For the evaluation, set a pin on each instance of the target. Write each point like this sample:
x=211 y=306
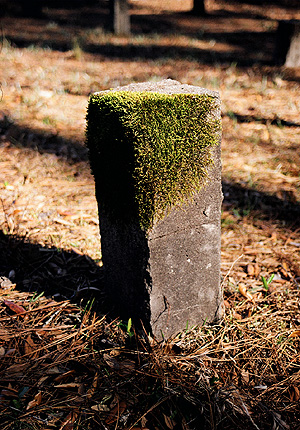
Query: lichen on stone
x=149 y=151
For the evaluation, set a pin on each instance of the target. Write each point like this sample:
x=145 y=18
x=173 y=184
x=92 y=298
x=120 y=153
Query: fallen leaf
x=17 y=309
x=36 y=401
x=256 y=269
x=29 y=345
x=237 y=315
x=64 y=376
x=244 y=292
x=93 y=387
x=115 y=352
x=100 y=408
x=41 y=380
x=17 y=369
x=250 y=269
x=274 y=237
x=111 y=362
x=284 y=270
x=294 y=393
x=69 y=385
x=169 y=422
x=295 y=333
x=234 y=377
x=285 y=265
x=253 y=269
x=65 y=213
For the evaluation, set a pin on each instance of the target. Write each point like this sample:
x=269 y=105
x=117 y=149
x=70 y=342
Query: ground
x=50 y=240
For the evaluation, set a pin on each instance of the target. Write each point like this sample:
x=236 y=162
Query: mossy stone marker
x=155 y=155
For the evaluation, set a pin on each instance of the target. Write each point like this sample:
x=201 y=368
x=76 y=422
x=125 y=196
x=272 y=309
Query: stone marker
x=288 y=44
x=155 y=154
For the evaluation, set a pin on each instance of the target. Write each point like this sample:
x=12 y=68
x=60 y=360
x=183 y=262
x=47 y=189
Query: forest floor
x=62 y=366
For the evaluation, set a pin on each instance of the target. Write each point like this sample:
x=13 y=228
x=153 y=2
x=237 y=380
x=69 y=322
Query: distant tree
x=119 y=15
x=198 y=8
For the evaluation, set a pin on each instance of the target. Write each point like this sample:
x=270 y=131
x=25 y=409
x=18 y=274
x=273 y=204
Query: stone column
x=185 y=261
x=162 y=268
x=119 y=12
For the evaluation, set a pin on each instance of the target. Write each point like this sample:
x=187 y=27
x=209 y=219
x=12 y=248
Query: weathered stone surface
x=288 y=44
x=185 y=261
x=165 y=86
x=169 y=276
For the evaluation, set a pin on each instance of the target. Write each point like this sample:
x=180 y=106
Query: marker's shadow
x=58 y=274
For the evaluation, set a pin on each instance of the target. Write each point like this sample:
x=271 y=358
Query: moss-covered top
x=149 y=151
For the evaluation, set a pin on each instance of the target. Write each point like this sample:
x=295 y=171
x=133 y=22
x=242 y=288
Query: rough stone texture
x=166 y=86
x=172 y=275
x=288 y=44
x=185 y=261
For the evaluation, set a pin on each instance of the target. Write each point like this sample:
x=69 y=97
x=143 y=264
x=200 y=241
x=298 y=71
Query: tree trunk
x=198 y=8
x=287 y=51
x=120 y=19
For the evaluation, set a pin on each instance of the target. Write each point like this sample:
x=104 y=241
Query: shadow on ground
x=43 y=142
x=260 y=205
x=56 y=273
x=59 y=28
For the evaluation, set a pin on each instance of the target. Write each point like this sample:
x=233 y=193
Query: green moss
x=149 y=151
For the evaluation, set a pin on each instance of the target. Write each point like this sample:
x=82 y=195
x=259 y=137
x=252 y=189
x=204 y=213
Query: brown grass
x=62 y=366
